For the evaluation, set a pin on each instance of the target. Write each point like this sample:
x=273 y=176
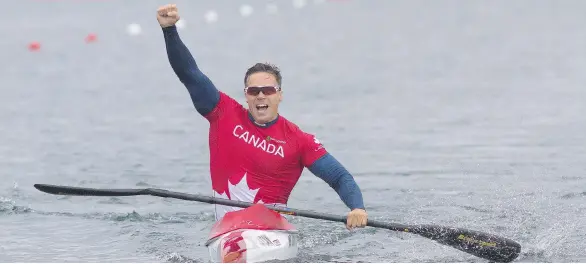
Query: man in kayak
x=256 y=154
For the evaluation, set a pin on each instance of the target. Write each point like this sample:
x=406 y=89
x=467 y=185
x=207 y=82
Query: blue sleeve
x=204 y=94
x=334 y=174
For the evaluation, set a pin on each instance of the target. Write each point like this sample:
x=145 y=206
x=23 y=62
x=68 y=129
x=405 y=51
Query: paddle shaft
x=66 y=190
x=282 y=210
x=477 y=243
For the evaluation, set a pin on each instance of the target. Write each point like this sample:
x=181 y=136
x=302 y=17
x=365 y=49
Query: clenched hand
x=356 y=218
x=167 y=15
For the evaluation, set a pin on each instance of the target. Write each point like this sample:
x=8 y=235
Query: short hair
x=264 y=67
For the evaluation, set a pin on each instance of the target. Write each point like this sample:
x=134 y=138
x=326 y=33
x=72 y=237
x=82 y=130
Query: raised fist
x=167 y=15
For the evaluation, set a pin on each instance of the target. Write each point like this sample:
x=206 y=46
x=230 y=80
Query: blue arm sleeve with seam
x=204 y=94
x=334 y=174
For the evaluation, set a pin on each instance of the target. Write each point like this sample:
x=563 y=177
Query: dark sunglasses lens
x=269 y=90
x=252 y=91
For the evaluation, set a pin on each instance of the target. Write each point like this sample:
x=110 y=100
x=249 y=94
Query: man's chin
x=262 y=118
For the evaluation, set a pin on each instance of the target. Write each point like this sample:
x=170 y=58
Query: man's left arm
x=322 y=164
x=336 y=176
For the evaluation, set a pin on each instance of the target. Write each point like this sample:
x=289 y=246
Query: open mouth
x=262 y=107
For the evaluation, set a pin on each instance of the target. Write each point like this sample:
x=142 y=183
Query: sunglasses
x=266 y=90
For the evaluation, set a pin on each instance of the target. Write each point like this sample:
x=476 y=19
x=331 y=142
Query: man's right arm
x=204 y=94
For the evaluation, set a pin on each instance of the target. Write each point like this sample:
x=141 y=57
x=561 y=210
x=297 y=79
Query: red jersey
x=252 y=163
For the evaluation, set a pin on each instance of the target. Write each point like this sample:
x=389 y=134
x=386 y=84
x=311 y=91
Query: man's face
x=263 y=96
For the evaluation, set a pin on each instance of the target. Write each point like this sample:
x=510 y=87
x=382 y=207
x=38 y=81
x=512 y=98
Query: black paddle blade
x=79 y=191
x=483 y=245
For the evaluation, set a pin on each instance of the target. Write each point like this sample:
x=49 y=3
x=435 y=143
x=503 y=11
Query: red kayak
x=253 y=234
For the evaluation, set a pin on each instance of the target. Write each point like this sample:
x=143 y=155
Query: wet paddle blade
x=80 y=191
x=480 y=244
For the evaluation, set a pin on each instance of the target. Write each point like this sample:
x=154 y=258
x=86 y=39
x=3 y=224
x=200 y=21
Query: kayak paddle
x=480 y=244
